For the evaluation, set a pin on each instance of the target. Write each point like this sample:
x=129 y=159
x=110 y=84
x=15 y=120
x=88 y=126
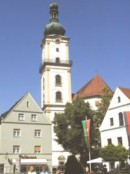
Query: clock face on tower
x=57 y=41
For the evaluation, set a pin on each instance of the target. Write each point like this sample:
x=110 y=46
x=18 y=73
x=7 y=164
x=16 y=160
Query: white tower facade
x=55 y=75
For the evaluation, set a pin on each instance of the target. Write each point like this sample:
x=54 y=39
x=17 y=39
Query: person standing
x=32 y=170
x=58 y=171
x=73 y=166
x=44 y=170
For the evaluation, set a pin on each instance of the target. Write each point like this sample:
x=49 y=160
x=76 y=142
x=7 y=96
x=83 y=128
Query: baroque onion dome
x=54 y=27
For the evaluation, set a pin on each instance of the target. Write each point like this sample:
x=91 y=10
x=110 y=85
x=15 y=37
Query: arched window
x=58 y=80
x=58 y=96
x=121 y=121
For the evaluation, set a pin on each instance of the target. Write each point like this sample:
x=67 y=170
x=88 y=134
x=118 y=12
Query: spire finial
x=54 y=12
x=54 y=27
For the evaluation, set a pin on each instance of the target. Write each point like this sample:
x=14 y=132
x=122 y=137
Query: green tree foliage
x=68 y=127
x=102 y=108
x=113 y=153
x=99 y=115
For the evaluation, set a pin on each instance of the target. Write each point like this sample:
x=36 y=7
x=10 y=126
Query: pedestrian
x=32 y=170
x=44 y=170
x=73 y=166
x=58 y=171
x=104 y=169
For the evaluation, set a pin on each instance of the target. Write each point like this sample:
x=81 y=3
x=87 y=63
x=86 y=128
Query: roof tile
x=93 y=88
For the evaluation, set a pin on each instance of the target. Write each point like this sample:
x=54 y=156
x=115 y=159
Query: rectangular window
x=37 y=149
x=21 y=117
x=37 y=133
x=111 y=122
x=109 y=141
x=121 y=121
x=16 y=133
x=16 y=149
x=119 y=139
x=34 y=117
x=57 y=49
x=97 y=103
x=119 y=99
x=57 y=60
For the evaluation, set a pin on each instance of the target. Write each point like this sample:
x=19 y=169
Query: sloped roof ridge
x=93 y=92
x=84 y=87
x=15 y=104
x=126 y=91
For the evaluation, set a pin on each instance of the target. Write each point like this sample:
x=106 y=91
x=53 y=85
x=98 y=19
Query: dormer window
x=119 y=99
x=28 y=104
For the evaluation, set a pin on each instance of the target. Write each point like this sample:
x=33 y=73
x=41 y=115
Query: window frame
x=119 y=99
x=37 y=133
x=109 y=141
x=121 y=119
x=120 y=141
x=37 y=147
x=57 y=60
x=16 y=149
x=21 y=117
x=16 y=133
x=57 y=49
x=34 y=118
x=111 y=121
x=58 y=80
x=58 y=97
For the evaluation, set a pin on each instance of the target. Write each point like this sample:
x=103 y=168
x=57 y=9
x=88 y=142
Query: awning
x=97 y=160
x=30 y=161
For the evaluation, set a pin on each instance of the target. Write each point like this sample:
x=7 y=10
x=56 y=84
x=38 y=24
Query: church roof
x=126 y=91
x=93 y=88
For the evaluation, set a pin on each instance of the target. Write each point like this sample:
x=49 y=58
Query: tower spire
x=54 y=27
x=54 y=12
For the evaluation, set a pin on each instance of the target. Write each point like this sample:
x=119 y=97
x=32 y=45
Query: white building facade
x=113 y=129
x=55 y=74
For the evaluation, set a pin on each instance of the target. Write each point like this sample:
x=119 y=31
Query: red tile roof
x=126 y=91
x=93 y=88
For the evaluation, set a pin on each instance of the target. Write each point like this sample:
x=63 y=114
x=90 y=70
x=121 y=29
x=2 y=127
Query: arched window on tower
x=58 y=96
x=58 y=80
x=121 y=121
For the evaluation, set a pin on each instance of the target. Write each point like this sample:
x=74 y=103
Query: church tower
x=55 y=72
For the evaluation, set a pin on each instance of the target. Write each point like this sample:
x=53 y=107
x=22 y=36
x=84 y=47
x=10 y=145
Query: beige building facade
x=25 y=137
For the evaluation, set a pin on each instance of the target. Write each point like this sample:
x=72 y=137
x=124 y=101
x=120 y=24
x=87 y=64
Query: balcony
x=56 y=62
